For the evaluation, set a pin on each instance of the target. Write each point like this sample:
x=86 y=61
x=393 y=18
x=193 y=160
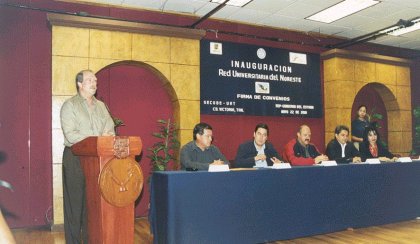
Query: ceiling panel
x=269 y=6
x=299 y=10
x=290 y=14
x=247 y=15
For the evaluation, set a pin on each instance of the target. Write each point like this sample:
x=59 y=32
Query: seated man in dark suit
x=340 y=149
x=258 y=152
x=301 y=151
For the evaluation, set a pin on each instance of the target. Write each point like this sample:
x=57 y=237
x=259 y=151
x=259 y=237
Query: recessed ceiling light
x=341 y=10
x=237 y=3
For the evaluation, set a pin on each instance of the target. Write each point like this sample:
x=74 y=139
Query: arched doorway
x=135 y=93
x=348 y=73
x=372 y=99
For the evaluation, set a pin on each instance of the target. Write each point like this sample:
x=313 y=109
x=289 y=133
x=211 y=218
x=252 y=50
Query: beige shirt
x=78 y=121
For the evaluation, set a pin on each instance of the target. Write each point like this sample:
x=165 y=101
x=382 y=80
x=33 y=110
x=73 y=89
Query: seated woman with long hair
x=372 y=147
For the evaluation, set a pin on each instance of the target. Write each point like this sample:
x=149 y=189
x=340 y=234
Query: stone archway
x=82 y=42
x=346 y=73
x=138 y=94
x=372 y=99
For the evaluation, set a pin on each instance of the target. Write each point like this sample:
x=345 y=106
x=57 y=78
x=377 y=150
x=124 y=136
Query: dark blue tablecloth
x=268 y=205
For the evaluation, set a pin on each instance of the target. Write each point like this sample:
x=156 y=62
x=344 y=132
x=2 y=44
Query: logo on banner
x=262 y=87
x=261 y=53
x=216 y=48
x=297 y=58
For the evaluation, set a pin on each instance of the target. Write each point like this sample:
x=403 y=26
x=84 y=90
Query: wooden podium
x=113 y=182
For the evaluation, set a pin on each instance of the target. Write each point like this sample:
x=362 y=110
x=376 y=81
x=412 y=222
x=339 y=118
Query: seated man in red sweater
x=300 y=151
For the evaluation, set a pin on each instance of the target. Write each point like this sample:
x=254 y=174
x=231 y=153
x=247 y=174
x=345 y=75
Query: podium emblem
x=121 y=147
x=121 y=181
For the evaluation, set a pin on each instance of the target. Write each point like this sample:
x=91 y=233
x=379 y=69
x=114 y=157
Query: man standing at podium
x=81 y=116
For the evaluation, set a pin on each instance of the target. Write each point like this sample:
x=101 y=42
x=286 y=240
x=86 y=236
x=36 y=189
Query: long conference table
x=256 y=206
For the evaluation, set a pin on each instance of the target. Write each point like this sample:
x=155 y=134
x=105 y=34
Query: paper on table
x=404 y=160
x=373 y=161
x=329 y=163
x=281 y=166
x=218 y=168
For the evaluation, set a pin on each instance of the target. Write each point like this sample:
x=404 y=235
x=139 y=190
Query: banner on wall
x=242 y=79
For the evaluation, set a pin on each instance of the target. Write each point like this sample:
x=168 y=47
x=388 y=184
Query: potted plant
x=117 y=123
x=416 y=126
x=164 y=151
x=6 y=235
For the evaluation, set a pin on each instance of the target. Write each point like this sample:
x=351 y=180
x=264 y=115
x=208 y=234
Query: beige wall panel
x=57 y=146
x=185 y=136
x=185 y=51
x=100 y=44
x=346 y=93
x=150 y=48
x=403 y=76
x=404 y=97
x=70 y=41
x=364 y=71
x=386 y=96
x=358 y=86
x=164 y=70
x=96 y=64
x=386 y=74
x=176 y=113
x=346 y=90
x=57 y=102
x=190 y=113
x=407 y=145
x=328 y=137
x=406 y=120
x=171 y=92
x=330 y=69
x=330 y=119
x=186 y=81
x=345 y=69
x=394 y=122
x=64 y=70
x=121 y=45
x=329 y=95
x=343 y=117
x=58 y=210
x=110 y=45
x=395 y=142
x=57 y=180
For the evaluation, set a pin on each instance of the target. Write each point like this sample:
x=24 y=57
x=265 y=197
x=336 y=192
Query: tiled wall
x=175 y=60
x=345 y=77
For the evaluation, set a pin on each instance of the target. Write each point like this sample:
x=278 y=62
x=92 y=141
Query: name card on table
x=373 y=161
x=328 y=163
x=404 y=160
x=219 y=168
x=281 y=166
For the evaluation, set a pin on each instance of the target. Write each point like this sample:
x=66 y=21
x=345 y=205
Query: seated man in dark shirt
x=258 y=152
x=300 y=151
x=200 y=153
x=340 y=149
